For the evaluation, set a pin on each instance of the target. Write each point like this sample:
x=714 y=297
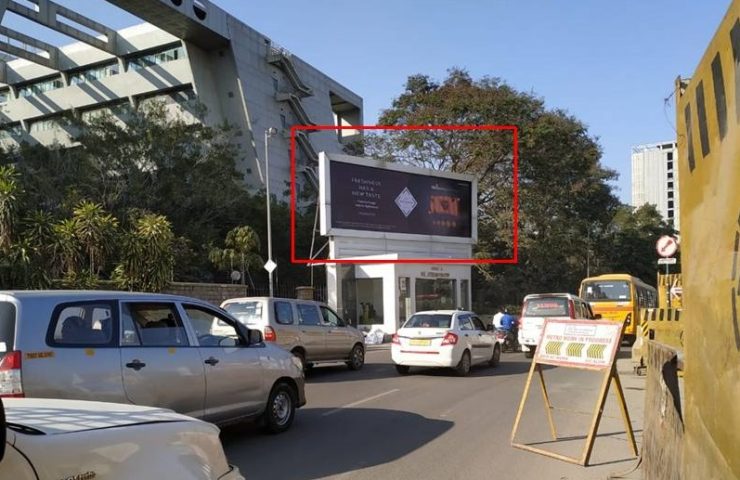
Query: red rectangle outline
x=515 y=151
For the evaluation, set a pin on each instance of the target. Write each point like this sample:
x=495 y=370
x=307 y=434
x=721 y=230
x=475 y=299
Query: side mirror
x=597 y=316
x=255 y=336
x=2 y=430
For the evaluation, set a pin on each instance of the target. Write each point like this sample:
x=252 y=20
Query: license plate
x=419 y=343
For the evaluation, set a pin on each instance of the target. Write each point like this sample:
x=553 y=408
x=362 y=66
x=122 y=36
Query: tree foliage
x=566 y=201
x=147 y=257
x=242 y=252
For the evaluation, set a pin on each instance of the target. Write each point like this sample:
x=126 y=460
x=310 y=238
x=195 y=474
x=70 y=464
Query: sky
x=611 y=64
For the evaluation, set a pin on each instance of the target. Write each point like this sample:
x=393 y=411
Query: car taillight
x=449 y=339
x=395 y=339
x=571 y=309
x=270 y=335
x=10 y=375
x=628 y=320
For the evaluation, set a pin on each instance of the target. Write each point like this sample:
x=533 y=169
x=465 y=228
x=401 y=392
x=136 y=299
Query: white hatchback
x=444 y=338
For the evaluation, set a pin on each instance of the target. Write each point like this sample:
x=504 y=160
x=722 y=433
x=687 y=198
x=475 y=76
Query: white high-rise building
x=655 y=179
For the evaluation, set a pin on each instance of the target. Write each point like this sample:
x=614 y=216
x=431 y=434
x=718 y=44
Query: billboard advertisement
x=394 y=201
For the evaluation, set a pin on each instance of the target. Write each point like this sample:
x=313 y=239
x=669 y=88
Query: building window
x=670 y=175
x=4 y=94
x=163 y=56
x=40 y=87
x=96 y=73
x=669 y=156
x=670 y=213
x=44 y=125
x=670 y=185
x=283 y=121
x=11 y=130
x=669 y=165
x=275 y=84
x=670 y=194
x=670 y=204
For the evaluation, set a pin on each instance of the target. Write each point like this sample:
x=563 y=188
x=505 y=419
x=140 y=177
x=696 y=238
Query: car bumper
x=301 y=384
x=232 y=474
x=432 y=357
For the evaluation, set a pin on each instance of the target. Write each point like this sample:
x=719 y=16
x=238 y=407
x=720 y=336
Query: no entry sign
x=666 y=246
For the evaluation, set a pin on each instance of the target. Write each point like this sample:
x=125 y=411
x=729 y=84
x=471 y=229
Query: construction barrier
x=662 y=445
x=660 y=324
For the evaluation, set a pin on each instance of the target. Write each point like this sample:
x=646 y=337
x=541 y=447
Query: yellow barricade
x=660 y=324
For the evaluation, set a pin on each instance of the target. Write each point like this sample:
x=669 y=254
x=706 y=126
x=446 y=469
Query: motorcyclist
x=509 y=325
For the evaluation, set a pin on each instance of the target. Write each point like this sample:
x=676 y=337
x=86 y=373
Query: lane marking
x=359 y=402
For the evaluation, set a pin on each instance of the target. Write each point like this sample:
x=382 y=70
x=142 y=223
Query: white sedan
x=444 y=338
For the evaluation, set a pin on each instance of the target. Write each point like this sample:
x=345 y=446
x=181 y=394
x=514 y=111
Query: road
x=375 y=424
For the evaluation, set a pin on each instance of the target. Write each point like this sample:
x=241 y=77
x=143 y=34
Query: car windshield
x=546 y=307
x=7 y=327
x=606 y=291
x=245 y=312
x=429 y=320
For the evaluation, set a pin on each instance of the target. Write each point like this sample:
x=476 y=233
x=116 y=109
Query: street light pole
x=268 y=134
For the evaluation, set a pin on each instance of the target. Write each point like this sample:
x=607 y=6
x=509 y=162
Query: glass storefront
x=435 y=294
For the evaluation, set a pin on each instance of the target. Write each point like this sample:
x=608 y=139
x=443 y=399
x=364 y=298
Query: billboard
x=395 y=199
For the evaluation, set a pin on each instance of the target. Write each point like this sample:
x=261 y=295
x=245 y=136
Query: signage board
x=394 y=201
x=666 y=246
x=667 y=261
x=584 y=344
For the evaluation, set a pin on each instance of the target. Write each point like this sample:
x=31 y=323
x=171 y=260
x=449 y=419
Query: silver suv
x=310 y=330
x=145 y=349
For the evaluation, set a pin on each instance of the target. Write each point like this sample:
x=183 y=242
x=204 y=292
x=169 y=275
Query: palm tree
x=147 y=255
x=242 y=247
x=9 y=189
x=66 y=246
x=95 y=231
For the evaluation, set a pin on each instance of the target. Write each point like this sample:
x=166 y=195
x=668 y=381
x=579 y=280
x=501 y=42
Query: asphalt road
x=375 y=424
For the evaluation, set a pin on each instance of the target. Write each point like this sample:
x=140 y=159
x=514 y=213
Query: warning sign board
x=574 y=343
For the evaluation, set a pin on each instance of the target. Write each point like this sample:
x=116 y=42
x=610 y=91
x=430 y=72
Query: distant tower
x=655 y=179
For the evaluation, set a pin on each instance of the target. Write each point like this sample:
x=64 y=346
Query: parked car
x=145 y=349
x=539 y=306
x=444 y=338
x=310 y=330
x=58 y=439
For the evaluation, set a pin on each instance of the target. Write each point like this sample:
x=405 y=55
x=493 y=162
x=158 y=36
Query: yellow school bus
x=618 y=297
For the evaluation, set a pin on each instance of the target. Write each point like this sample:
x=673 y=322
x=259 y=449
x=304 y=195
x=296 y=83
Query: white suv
x=444 y=338
x=539 y=306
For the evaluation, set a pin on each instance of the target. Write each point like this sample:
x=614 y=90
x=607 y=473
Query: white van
x=72 y=439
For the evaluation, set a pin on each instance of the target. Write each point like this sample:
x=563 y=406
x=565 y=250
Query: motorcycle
x=508 y=340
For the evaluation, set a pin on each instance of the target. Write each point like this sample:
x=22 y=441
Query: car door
x=468 y=336
x=85 y=363
x=339 y=340
x=313 y=333
x=160 y=365
x=485 y=341
x=234 y=374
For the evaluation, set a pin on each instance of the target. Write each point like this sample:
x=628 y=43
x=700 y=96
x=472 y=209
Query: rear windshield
x=7 y=327
x=245 y=312
x=606 y=291
x=546 y=307
x=436 y=320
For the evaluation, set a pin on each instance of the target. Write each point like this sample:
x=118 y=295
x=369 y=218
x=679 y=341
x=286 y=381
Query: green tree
x=146 y=259
x=96 y=232
x=563 y=189
x=242 y=251
x=9 y=190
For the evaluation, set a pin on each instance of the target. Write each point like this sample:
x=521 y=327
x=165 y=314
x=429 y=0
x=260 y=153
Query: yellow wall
x=710 y=232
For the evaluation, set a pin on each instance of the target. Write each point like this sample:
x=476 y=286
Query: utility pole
x=270 y=265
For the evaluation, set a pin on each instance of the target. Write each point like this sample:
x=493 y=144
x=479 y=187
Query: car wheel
x=496 y=357
x=356 y=358
x=280 y=410
x=403 y=369
x=529 y=353
x=463 y=367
